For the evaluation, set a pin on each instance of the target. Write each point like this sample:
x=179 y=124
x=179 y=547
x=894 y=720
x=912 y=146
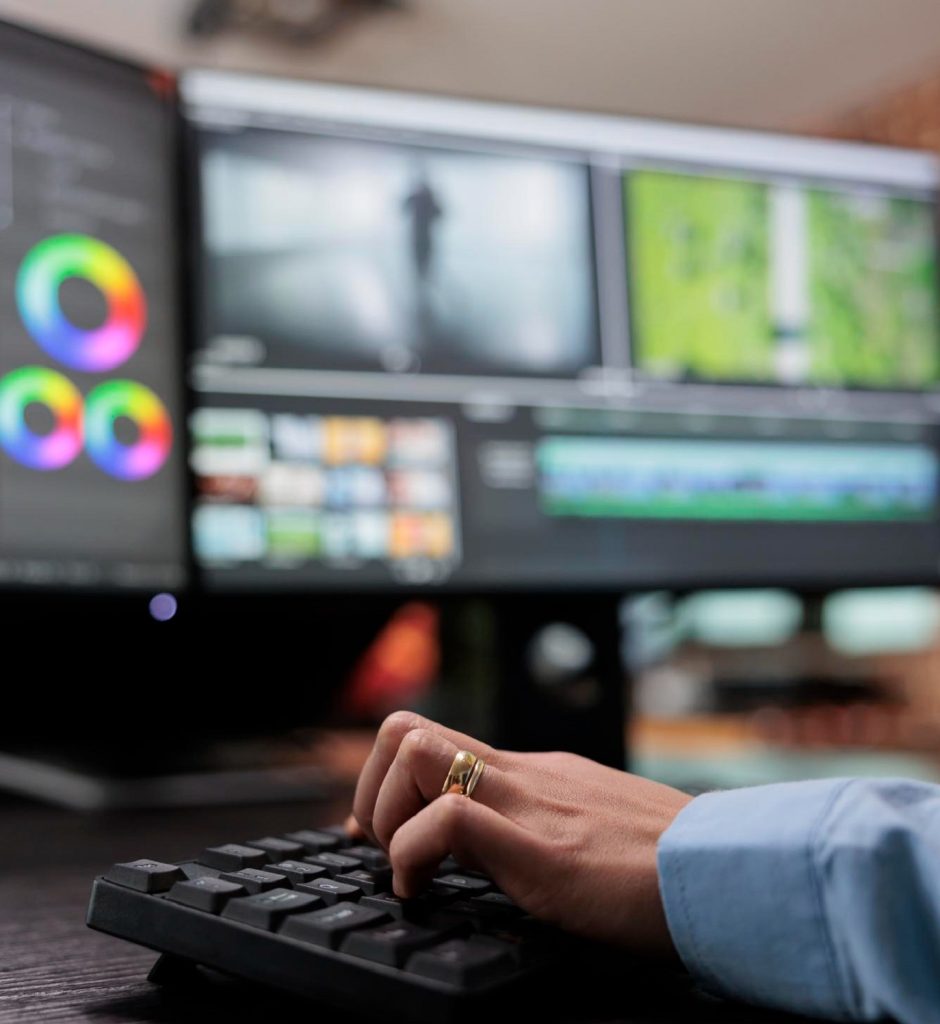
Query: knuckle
x=397 y=725
x=417 y=746
x=563 y=760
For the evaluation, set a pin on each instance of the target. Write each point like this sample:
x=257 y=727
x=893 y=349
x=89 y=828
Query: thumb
x=471 y=832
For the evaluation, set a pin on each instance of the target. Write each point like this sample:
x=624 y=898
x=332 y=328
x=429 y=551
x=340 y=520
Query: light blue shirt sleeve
x=822 y=898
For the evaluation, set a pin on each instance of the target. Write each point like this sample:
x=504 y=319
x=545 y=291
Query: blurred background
x=757 y=65
x=569 y=373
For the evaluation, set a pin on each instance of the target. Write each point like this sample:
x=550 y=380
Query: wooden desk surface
x=53 y=968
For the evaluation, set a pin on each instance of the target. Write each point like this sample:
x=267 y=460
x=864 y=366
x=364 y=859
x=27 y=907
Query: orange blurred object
x=398 y=668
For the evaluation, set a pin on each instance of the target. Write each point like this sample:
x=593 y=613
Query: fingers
x=412 y=781
x=387 y=743
x=353 y=830
x=415 y=777
x=476 y=835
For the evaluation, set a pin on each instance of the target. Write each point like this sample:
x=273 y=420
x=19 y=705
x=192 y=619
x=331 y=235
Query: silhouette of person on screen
x=424 y=211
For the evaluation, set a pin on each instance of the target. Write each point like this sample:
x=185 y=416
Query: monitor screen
x=452 y=344
x=365 y=254
x=92 y=467
x=736 y=279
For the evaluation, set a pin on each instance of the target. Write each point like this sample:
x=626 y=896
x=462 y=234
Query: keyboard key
x=145 y=875
x=421 y=908
x=440 y=896
x=330 y=926
x=496 y=905
x=205 y=893
x=372 y=858
x=392 y=943
x=314 y=841
x=462 y=962
x=331 y=891
x=335 y=863
x=392 y=905
x=528 y=941
x=459 y=917
x=297 y=871
x=277 y=849
x=449 y=866
x=370 y=882
x=339 y=833
x=267 y=909
x=232 y=857
x=256 y=880
x=193 y=869
x=466 y=883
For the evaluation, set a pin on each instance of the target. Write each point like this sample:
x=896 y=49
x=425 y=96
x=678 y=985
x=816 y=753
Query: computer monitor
x=466 y=346
x=93 y=484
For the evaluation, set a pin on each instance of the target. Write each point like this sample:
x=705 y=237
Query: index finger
x=391 y=733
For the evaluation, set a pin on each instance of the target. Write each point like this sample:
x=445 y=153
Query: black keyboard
x=312 y=913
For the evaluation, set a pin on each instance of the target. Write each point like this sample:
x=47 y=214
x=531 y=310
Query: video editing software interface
x=448 y=343
x=442 y=342
x=92 y=433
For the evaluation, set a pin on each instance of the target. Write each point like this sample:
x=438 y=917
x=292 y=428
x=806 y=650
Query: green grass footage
x=701 y=253
x=873 y=292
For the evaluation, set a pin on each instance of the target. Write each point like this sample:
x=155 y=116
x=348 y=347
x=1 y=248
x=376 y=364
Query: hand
x=568 y=840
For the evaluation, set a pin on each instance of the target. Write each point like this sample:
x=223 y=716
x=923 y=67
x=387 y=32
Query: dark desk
x=53 y=968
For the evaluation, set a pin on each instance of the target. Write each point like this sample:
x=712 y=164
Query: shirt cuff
x=742 y=896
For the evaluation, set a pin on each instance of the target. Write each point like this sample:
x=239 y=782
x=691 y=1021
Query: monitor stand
x=538 y=672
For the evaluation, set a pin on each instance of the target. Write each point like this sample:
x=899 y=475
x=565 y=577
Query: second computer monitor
x=475 y=346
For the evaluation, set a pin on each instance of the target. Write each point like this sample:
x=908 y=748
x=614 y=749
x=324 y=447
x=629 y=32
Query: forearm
x=791 y=896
